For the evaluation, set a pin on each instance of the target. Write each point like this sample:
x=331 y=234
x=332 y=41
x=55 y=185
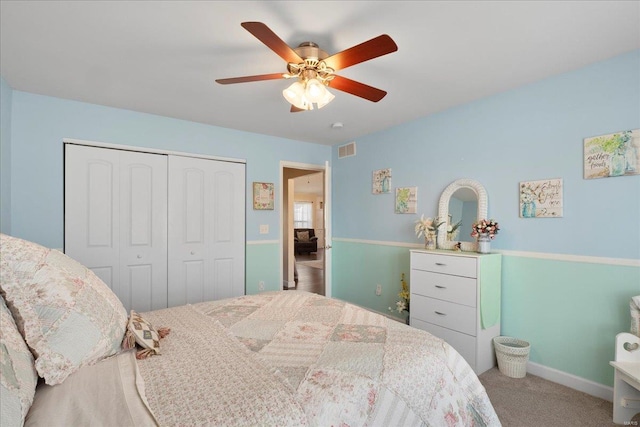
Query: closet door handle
x=193 y=252
x=441 y=287
x=441 y=264
x=440 y=314
x=139 y=256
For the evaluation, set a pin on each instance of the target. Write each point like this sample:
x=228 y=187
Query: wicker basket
x=512 y=355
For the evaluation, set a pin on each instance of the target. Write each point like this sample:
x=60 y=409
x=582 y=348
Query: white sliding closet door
x=206 y=230
x=116 y=221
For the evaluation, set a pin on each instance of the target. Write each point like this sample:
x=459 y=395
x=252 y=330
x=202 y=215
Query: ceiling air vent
x=347 y=150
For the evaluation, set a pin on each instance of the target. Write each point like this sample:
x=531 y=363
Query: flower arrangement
x=403 y=302
x=427 y=227
x=485 y=226
x=452 y=230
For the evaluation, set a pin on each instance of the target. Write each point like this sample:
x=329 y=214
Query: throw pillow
x=68 y=317
x=18 y=376
x=303 y=236
x=144 y=334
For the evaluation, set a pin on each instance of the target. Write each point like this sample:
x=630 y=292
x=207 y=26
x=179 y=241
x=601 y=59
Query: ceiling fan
x=314 y=69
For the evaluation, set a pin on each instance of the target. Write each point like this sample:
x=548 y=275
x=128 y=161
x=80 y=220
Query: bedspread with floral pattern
x=349 y=366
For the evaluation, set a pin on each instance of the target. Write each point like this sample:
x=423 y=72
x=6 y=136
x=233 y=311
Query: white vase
x=484 y=244
x=429 y=243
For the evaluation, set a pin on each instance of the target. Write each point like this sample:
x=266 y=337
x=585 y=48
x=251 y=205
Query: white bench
x=626 y=383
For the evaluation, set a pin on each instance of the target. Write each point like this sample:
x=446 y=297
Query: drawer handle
x=440 y=314
x=442 y=264
x=441 y=287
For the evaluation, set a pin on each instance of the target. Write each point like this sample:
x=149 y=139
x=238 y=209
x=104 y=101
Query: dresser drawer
x=446 y=264
x=464 y=344
x=458 y=317
x=461 y=290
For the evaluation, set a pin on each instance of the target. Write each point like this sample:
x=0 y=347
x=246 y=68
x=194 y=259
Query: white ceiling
x=310 y=184
x=162 y=57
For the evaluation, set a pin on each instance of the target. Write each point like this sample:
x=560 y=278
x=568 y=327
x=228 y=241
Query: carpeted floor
x=534 y=402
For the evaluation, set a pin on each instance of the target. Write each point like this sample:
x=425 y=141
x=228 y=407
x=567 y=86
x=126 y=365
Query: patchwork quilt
x=295 y=358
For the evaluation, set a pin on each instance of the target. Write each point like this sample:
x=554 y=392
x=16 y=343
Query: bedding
x=108 y=393
x=295 y=358
x=18 y=377
x=68 y=317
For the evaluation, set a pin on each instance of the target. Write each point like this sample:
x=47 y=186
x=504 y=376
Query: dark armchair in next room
x=305 y=240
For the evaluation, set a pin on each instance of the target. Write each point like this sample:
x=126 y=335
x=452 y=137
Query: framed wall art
x=614 y=154
x=382 y=181
x=541 y=199
x=406 y=200
x=263 y=196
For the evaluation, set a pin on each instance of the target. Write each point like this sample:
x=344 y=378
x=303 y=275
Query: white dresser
x=456 y=296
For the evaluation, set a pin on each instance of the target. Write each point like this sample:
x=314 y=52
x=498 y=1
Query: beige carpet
x=535 y=402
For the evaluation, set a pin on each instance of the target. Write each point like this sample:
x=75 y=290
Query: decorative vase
x=429 y=243
x=385 y=185
x=529 y=209
x=618 y=164
x=631 y=158
x=484 y=243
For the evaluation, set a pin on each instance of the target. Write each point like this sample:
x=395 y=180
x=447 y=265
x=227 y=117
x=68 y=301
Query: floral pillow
x=141 y=332
x=66 y=314
x=303 y=236
x=18 y=376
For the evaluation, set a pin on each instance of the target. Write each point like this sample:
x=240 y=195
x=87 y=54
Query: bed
x=287 y=358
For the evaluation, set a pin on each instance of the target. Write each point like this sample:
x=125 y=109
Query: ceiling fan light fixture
x=328 y=97
x=315 y=90
x=295 y=95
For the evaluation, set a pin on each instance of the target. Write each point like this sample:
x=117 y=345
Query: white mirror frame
x=443 y=210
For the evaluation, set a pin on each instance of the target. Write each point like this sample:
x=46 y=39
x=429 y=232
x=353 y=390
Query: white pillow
x=18 y=377
x=67 y=315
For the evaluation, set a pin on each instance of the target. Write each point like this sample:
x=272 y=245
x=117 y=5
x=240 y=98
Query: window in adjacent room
x=302 y=215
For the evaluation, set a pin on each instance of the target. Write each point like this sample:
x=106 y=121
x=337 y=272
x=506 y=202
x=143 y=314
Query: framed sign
x=382 y=181
x=541 y=199
x=614 y=154
x=406 y=200
x=263 y=198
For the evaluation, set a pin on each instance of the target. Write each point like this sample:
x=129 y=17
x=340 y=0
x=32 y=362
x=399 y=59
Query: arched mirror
x=462 y=202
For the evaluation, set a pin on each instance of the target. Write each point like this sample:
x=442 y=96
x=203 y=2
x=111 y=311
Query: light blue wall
x=5 y=156
x=40 y=123
x=534 y=132
x=569 y=310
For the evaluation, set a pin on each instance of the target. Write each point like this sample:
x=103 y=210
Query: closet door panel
x=187 y=256
x=194 y=281
x=227 y=249
x=92 y=206
x=143 y=227
x=193 y=206
x=225 y=278
x=139 y=294
x=206 y=223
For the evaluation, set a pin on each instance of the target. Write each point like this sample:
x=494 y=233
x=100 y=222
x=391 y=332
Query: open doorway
x=303 y=225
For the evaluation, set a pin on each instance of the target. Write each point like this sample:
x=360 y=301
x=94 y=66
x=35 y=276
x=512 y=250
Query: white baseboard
x=571 y=381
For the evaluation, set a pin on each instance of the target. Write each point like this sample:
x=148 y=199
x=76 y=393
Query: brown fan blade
x=295 y=109
x=356 y=88
x=245 y=79
x=273 y=42
x=373 y=48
